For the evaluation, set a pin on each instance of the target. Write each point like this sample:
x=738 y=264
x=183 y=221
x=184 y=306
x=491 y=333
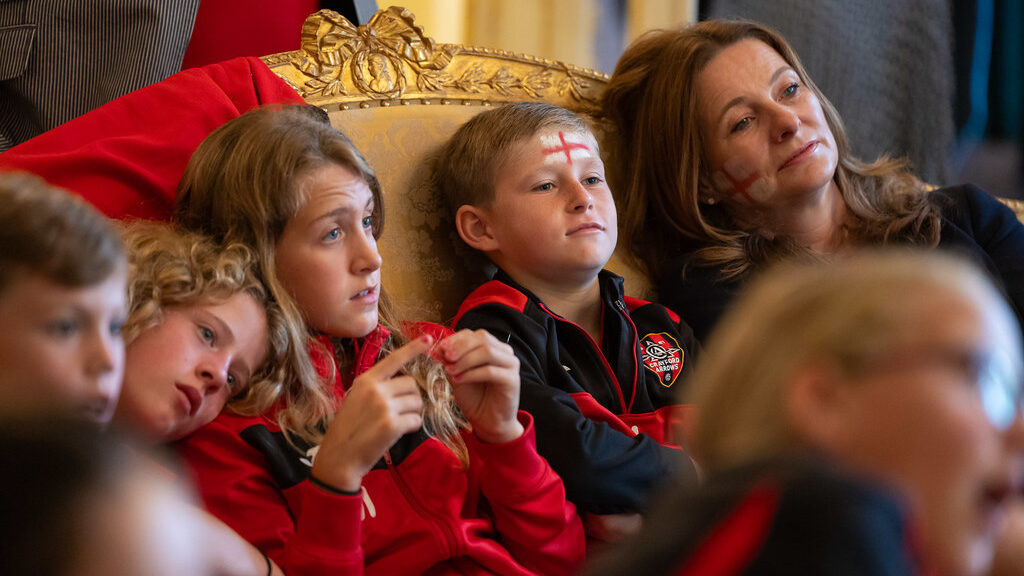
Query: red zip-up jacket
x=419 y=511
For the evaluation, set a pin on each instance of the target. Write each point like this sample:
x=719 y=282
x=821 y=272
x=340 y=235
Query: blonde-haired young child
x=201 y=329
x=376 y=457
x=62 y=301
x=600 y=370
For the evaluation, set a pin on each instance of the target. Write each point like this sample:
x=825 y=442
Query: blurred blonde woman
x=855 y=418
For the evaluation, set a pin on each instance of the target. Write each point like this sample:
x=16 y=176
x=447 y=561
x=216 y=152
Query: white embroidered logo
x=368 y=507
x=310 y=456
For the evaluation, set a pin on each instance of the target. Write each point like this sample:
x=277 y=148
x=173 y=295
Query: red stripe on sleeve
x=732 y=545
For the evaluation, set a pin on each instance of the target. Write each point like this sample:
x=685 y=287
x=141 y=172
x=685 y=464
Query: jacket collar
x=611 y=286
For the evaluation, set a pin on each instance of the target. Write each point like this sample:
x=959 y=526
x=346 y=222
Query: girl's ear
x=473 y=227
x=818 y=404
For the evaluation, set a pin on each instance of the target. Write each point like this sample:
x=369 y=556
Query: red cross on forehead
x=566 y=148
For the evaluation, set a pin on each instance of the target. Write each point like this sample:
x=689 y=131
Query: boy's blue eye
x=592 y=180
x=116 y=327
x=206 y=334
x=232 y=380
x=545 y=187
x=63 y=327
x=792 y=89
x=334 y=234
x=367 y=222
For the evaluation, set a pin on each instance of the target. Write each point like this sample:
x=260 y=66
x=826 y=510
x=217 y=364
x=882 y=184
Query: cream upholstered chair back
x=399 y=95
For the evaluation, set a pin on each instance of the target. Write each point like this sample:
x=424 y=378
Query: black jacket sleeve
x=605 y=471
x=981 y=227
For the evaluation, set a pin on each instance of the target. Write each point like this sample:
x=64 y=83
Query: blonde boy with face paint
x=599 y=370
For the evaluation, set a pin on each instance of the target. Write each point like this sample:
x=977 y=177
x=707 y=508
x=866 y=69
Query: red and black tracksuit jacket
x=605 y=412
x=770 y=518
x=418 y=512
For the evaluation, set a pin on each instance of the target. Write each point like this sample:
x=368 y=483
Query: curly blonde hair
x=169 y=267
x=242 y=185
x=658 y=169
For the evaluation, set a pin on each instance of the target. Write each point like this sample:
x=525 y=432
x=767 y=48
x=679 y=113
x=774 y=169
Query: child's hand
x=379 y=408
x=485 y=380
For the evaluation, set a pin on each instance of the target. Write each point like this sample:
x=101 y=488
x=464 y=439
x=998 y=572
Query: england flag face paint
x=564 y=147
x=743 y=183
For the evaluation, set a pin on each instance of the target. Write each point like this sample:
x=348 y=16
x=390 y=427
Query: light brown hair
x=243 y=184
x=50 y=232
x=658 y=170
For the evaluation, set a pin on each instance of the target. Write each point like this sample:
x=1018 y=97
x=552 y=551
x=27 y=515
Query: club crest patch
x=662 y=355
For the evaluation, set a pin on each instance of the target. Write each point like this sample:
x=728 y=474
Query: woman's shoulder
x=697 y=292
x=816 y=488
x=976 y=213
x=855 y=524
x=688 y=272
x=767 y=513
x=965 y=199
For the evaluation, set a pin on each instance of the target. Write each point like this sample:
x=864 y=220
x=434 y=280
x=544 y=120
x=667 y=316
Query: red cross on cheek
x=564 y=147
x=742 y=187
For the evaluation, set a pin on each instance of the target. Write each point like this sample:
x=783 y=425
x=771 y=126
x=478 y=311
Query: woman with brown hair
x=726 y=157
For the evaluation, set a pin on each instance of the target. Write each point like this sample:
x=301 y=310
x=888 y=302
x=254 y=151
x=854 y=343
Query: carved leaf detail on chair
x=573 y=85
x=470 y=79
x=374 y=53
x=434 y=81
x=503 y=81
x=536 y=82
x=337 y=61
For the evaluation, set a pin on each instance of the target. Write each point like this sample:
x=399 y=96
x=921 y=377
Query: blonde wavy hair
x=844 y=314
x=658 y=169
x=171 y=268
x=242 y=185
